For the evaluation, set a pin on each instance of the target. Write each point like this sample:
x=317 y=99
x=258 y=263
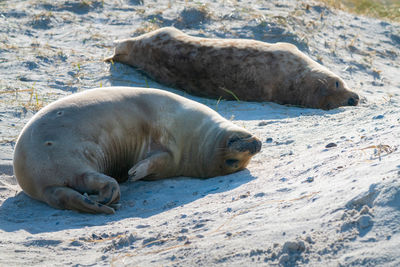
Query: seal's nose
x=251 y=144
x=353 y=101
x=257 y=146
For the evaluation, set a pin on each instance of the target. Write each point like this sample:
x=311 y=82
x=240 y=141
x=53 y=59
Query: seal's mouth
x=250 y=144
x=331 y=102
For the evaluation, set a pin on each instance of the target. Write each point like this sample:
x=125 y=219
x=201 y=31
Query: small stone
x=331 y=145
x=310 y=179
x=378 y=117
x=269 y=140
x=244 y=195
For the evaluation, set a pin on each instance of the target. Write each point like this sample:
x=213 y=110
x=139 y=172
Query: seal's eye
x=231 y=162
x=337 y=84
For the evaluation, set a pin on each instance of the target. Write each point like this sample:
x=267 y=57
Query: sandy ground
x=298 y=203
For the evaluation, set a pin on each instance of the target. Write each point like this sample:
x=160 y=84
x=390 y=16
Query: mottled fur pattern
x=251 y=70
x=73 y=152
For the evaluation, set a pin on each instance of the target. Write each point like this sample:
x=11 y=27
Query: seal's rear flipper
x=61 y=197
x=122 y=51
x=117 y=57
x=109 y=59
x=100 y=187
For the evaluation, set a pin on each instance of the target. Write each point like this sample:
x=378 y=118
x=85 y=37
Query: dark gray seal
x=242 y=69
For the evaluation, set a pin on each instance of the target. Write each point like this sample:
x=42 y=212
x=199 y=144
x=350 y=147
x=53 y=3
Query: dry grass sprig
x=217 y=104
x=232 y=93
x=35 y=103
x=380 y=149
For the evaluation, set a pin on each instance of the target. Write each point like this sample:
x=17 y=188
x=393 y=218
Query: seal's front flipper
x=100 y=187
x=61 y=197
x=152 y=167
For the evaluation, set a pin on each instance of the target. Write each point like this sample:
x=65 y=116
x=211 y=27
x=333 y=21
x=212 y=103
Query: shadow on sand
x=141 y=199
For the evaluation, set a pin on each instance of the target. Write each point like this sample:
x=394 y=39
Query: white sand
x=298 y=203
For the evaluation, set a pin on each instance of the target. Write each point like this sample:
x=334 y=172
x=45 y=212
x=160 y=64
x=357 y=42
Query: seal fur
x=249 y=70
x=73 y=152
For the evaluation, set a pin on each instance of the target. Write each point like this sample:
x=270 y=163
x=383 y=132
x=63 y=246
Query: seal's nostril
x=352 y=102
x=259 y=145
x=255 y=146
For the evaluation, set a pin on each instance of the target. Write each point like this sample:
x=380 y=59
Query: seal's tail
x=121 y=51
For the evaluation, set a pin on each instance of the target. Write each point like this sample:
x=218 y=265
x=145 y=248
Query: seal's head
x=239 y=148
x=325 y=90
x=234 y=151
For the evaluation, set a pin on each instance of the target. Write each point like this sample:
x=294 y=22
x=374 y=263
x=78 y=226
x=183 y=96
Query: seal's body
x=234 y=68
x=73 y=152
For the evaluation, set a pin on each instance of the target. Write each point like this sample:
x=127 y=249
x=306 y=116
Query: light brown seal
x=235 y=68
x=73 y=152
